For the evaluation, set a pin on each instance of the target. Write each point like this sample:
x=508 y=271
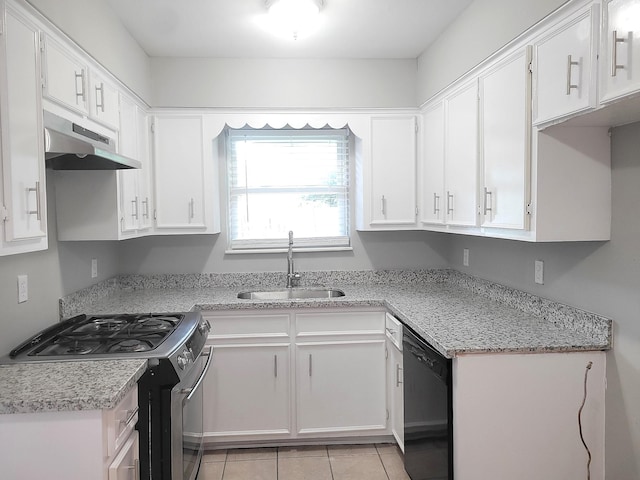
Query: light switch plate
x=465 y=257
x=23 y=288
x=94 y=267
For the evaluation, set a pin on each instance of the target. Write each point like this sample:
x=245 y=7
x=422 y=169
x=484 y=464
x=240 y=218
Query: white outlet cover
x=465 y=257
x=539 y=272
x=94 y=267
x=23 y=288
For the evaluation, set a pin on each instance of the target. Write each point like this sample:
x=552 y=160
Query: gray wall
x=282 y=83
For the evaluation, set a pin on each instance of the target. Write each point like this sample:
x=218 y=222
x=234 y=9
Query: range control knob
x=204 y=327
x=182 y=361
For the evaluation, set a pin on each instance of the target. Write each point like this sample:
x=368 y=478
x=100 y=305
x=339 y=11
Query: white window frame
x=310 y=244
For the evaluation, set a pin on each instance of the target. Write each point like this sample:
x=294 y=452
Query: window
x=282 y=180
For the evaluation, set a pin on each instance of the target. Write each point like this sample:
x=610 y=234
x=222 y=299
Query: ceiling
x=231 y=28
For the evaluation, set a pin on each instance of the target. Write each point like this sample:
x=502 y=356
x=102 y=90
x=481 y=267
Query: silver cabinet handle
x=134 y=208
x=129 y=414
x=487 y=195
x=570 y=63
x=398 y=370
x=436 y=203
x=310 y=365
x=191 y=209
x=101 y=90
x=449 y=202
x=391 y=331
x=383 y=205
x=614 y=52
x=80 y=94
x=37 y=212
x=275 y=366
x=145 y=202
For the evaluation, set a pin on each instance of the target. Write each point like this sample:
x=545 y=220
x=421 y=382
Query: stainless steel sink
x=291 y=293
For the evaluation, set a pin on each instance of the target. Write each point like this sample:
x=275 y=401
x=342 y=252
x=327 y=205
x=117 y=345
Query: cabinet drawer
x=361 y=322
x=126 y=465
x=393 y=328
x=120 y=421
x=240 y=325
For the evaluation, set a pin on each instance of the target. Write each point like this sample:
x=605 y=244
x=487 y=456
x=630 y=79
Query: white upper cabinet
x=103 y=101
x=620 y=51
x=461 y=155
x=66 y=76
x=505 y=141
x=23 y=211
x=565 y=67
x=391 y=198
x=180 y=172
x=432 y=209
x=135 y=208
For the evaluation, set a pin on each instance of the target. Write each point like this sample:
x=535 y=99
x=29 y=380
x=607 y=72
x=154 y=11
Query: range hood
x=69 y=146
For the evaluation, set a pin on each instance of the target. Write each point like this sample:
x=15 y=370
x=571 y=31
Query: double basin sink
x=291 y=294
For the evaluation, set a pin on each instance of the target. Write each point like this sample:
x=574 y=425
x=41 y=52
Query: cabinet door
x=565 y=68
x=461 y=156
x=22 y=146
x=126 y=464
x=179 y=172
x=128 y=179
x=340 y=387
x=504 y=126
x=247 y=391
x=393 y=171
x=432 y=171
x=620 y=53
x=396 y=394
x=144 y=173
x=66 y=79
x=104 y=101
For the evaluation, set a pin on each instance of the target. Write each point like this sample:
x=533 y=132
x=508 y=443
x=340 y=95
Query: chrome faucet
x=292 y=276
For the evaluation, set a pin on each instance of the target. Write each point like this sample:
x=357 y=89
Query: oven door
x=186 y=420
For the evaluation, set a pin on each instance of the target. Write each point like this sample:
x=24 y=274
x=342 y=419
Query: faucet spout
x=292 y=276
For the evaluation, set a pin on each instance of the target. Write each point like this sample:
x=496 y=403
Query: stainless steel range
x=169 y=393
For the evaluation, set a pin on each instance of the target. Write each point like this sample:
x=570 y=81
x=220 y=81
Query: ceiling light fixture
x=293 y=18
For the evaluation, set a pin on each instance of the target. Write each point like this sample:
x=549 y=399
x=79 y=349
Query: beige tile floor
x=331 y=462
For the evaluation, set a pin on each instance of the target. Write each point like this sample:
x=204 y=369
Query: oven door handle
x=192 y=391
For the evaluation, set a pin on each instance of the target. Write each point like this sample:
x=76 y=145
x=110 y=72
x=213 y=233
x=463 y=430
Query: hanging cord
x=584 y=399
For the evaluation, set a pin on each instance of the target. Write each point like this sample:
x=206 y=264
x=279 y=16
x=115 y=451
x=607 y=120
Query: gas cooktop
x=109 y=336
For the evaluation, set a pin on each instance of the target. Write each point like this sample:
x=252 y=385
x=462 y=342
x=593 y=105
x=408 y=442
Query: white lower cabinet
x=340 y=387
x=516 y=415
x=248 y=391
x=72 y=445
x=295 y=374
x=395 y=378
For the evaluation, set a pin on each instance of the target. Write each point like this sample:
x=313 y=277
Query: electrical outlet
x=539 y=272
x=465 y=257
x=94 y=267
x=23 y=288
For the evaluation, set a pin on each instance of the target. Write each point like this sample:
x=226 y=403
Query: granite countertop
x=67 y=386
x=455 y=313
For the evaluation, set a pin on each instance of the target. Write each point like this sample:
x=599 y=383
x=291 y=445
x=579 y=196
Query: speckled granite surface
x=67 y=386
x=455 y=313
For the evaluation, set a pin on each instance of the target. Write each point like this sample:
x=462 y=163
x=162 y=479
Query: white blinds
x=281 y=180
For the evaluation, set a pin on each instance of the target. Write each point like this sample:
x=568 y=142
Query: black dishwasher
x=428 y=412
